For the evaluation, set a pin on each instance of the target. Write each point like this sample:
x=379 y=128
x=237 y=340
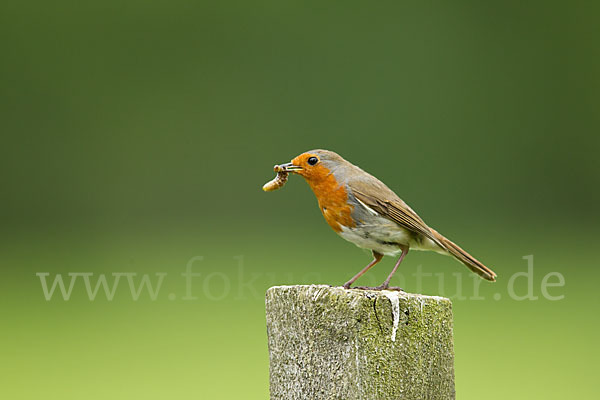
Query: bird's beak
x=288 y=167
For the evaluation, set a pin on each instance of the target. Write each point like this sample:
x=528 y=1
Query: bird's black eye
x=313 y=160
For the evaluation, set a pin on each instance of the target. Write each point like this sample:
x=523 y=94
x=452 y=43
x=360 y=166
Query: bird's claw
x=380 y=287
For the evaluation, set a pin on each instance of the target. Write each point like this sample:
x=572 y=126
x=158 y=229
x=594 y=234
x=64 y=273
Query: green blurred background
x=137 y=135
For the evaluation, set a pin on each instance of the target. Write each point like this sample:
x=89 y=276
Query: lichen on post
x=334 y=343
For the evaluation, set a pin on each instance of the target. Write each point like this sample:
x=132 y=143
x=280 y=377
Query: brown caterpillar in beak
x=276 y=182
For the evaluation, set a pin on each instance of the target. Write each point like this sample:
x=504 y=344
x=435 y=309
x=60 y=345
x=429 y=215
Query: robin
x=363 y=210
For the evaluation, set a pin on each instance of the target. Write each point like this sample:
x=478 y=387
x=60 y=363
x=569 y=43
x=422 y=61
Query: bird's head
x=314 y=165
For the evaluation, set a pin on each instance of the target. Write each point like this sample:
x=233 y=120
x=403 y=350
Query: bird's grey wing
x=391 y=207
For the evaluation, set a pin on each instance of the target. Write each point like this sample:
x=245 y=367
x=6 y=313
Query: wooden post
x=334 y=343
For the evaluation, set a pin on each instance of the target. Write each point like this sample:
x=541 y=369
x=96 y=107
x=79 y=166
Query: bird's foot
x=395 y=288
x=380 y=287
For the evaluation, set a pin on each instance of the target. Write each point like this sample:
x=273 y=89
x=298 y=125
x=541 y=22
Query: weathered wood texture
x=332 y=343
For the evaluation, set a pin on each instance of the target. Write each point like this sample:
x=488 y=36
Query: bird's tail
x=465 y=258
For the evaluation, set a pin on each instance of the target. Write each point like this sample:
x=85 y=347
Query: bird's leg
x=385 y=285
x=377 y=257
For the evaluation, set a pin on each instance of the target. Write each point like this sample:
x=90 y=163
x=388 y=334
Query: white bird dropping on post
x=395 y=300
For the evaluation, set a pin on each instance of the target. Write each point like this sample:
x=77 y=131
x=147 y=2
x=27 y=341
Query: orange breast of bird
x=332 y=198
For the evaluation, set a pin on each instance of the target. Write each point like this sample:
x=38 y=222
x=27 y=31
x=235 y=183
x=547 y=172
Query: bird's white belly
x=385 y=236
x=384 y=239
